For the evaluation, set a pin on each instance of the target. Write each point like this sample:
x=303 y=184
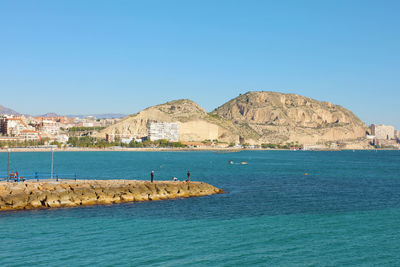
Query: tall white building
x=14 y=126
x=50 y=127
x=383 y=131
x=397 y=134
x=163 y=130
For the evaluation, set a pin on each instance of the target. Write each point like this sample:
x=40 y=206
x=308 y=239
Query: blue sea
x=345 y=212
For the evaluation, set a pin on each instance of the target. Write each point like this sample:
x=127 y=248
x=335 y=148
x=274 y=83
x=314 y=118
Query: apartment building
x=382 y=132
x=163 y=130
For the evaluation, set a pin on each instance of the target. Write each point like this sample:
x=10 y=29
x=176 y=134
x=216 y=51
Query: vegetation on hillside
x=85 y=129
x=281 y=146
x=92 y=142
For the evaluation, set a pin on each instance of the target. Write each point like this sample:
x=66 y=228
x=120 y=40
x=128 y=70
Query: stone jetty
x=71 y=193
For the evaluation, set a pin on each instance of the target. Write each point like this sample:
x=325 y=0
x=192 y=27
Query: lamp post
x=8 y=165
x=52 y=156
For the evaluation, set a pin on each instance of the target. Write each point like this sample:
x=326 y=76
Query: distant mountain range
x=100 y=116
x=7 y=111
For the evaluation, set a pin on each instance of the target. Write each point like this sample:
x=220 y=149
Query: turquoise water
x=345 y=212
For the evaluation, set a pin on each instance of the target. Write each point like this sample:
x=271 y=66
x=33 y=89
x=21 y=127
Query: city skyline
x=99 y=57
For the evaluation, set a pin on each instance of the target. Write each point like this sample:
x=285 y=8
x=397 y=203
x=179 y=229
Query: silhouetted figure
x=152 y=176
x=188 y=176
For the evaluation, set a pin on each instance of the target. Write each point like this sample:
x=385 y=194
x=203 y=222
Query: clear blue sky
x=79 y=57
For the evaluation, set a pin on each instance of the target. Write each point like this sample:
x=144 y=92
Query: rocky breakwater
x=52 y=194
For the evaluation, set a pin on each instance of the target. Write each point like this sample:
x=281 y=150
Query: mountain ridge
x=254 y=117
x=8 y=111
x=281 y=117
x=194 y=122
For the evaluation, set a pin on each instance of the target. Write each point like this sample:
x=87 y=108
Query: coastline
x=132 y=149
x=121 y=149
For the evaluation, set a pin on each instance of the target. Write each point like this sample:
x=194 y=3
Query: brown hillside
x=194 y=122
x=281 y=118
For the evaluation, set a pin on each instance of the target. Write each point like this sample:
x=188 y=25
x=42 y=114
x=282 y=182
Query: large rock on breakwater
x=68 y=193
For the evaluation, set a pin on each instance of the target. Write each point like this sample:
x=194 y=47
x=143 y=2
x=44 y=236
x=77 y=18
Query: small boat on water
x=241 y=163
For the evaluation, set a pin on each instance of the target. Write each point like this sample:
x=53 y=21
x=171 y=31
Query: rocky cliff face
x=255 y=118
x=281 y=118
x=194 y=122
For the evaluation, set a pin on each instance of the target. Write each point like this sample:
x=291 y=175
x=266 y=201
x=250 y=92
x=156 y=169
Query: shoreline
x=132 y=149
x=47 y=194
x=128 y=149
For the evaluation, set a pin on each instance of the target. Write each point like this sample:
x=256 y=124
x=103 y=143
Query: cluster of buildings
x=15 y=128
x=384 y=135
x=22 y=128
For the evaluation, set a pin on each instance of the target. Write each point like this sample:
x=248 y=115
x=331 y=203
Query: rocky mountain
x=255 y=118
x=195 y=124
x=8 y=111
x=50 y=114
x=282 y=118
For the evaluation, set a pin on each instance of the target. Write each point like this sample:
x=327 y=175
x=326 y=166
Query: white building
x=382 y=132
x=62 y=138
x=50 y=127
x=14 y=126
x=126 y=140
x=31 y=135
x=88 y=124
x=397 y=134
x=163 y=130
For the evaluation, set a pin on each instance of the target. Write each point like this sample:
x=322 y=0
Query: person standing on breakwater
x=188 y=176
x=152 y=176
